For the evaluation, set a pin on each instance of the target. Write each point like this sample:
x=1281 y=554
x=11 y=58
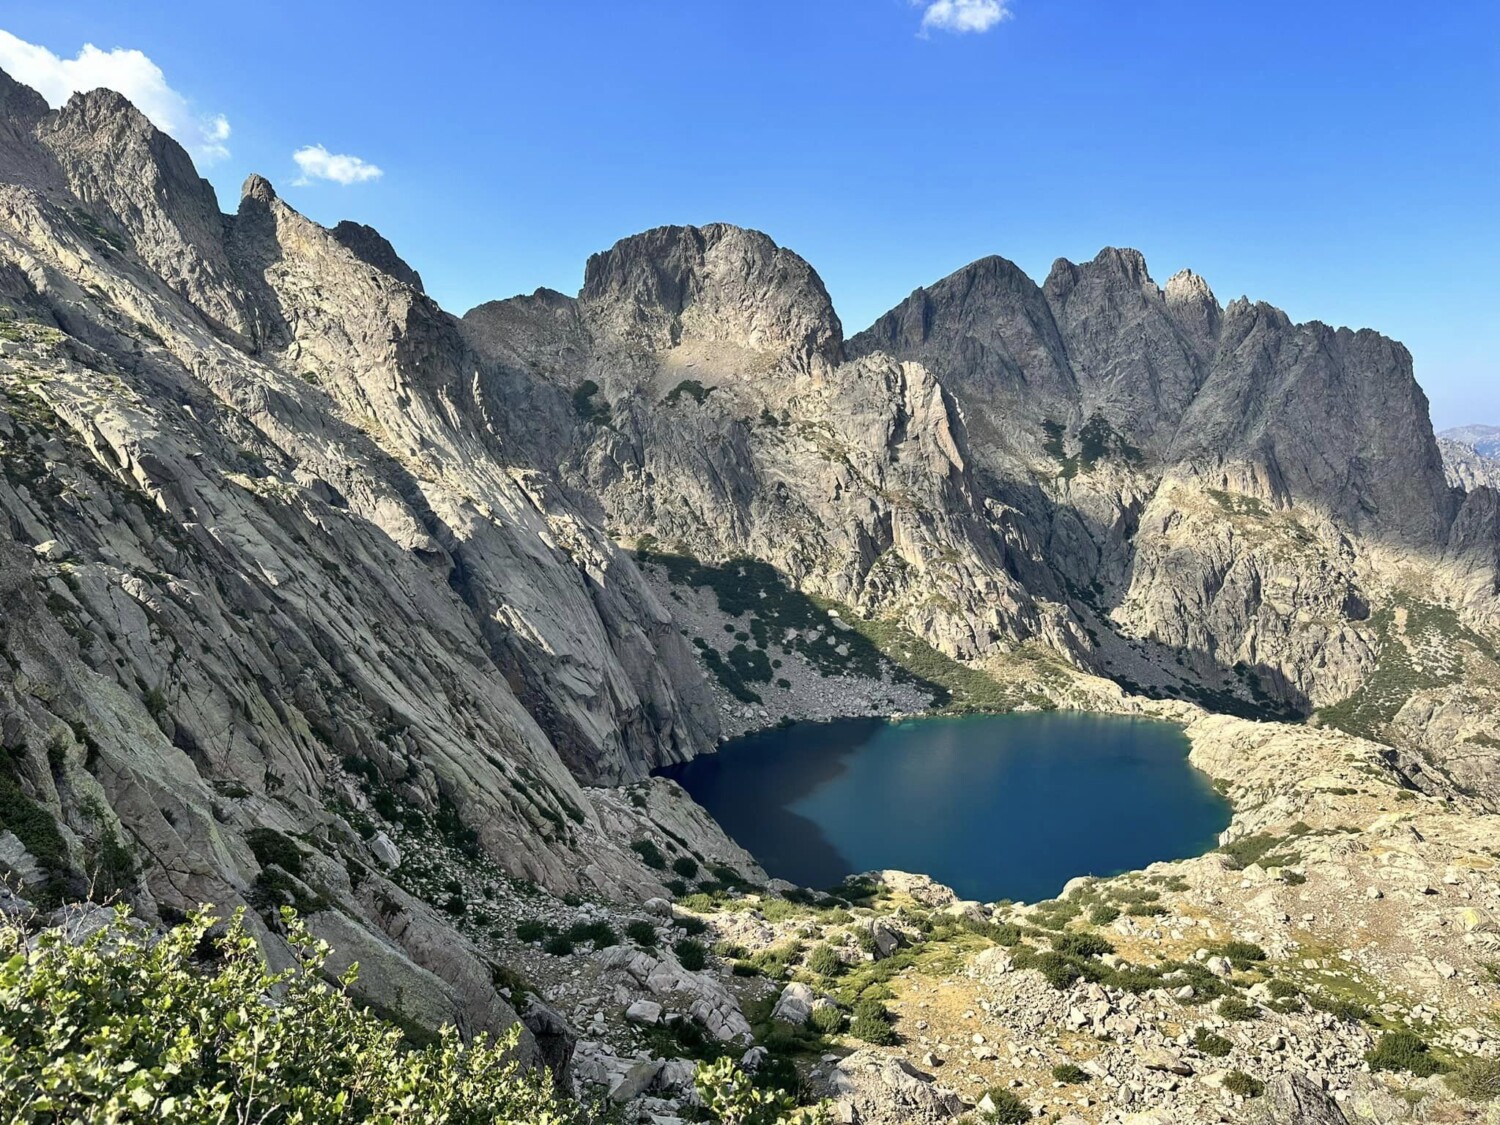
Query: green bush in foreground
x=827 y=1021
x=642 y=933
x=731 y=1098
x=191 y=1027
x=691 y=954
x=872 y=1023
x=825 y=961
x=1211 y=1043
x=124 y=1027
x=650 y=854
x=1234 y=1008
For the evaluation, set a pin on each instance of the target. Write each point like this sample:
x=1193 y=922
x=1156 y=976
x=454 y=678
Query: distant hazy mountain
x=1484 y=440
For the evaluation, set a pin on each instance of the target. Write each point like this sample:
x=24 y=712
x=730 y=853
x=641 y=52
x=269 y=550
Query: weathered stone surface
x=876 y=1089
x=1292 y=1099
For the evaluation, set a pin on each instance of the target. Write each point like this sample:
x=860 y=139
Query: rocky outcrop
x=371 y=247
x=718 y=284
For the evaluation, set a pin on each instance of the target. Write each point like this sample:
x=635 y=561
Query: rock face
x=1202 y=501
x=277 y=580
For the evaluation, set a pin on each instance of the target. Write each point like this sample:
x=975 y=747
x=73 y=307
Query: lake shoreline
x=813 y=805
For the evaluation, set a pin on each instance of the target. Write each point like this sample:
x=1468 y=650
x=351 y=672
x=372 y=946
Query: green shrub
x=691 y=954
x=531 y=929
x=1001 y=933
x=1071 y=1073
x=728 y=1095
x=827 y=1020
x=31 y=823
x=1238 y=1082
x=1257 y=849
x=650 y=854
x=1102 y=913
x=1283 y=989
x=1082 y=944
x=1234 y=1008
x=1055 y=913
x=872 y=1023
x=600 y=933
x=130 y=1026
x=677 y=887
x=1008 y=1108
x=559 y=945
x=271 y=847
x=1477 y=1080
x=686 y=866
x=1404 y=1051
x=642 y=933
x=775 y=961
x=1211 y=1044
x=1058 y=970
x=825 y=961
x=1340 y=1008
x=1242 y=954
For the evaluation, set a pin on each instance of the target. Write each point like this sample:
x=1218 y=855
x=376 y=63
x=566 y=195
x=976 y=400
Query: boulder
x=876 y=1089
x=644 y=1012
x=1295 y=1099
x=795 y=1005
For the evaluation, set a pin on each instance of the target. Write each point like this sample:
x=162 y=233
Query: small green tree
x=128 y=1026
x=731 y=1098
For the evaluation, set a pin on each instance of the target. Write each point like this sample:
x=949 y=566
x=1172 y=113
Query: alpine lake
x=995 y=806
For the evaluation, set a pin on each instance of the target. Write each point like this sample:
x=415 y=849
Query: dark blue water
x=995 y=806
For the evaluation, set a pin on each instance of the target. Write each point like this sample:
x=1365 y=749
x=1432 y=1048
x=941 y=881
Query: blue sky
x=1339 y=159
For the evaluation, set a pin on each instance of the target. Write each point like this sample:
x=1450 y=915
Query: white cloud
x=317 y=163
x=960 y=16
x=130 y=73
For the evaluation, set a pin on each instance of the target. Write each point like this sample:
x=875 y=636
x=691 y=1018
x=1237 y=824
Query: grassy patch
x=1404 y=1051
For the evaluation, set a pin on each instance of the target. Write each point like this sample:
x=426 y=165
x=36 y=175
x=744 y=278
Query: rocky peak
x=1187 y=288
x=1193 y=307
x=22 y=160
x=1112 y=267
x=256 y=190
x=374 y=249
x=139 y=183
x=714 y=284
x=21 y=106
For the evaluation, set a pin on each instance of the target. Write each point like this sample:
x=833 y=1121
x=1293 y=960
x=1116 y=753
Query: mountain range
x=301 y=570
